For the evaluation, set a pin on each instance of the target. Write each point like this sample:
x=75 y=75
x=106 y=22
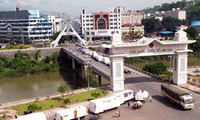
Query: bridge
x=102 y=70
x=98 y=67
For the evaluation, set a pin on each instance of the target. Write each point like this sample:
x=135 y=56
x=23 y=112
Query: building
x=25 y=25
x=137 y=29
x=58 y=23
x=159 y=15
x=176 y=13
x=132 y=17
x=100 y=25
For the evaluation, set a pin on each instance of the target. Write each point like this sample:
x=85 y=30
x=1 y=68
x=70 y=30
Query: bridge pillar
x=73 y=64
x=83 y=74
x=180 y=67
x=98 y=78
x=117 y=73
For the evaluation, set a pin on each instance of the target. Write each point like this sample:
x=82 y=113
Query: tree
x=62 y=89
x=195 y=46
x=67 y=101
x=95 y=94
x=32 y=107
x=151 y=25
x=37 y=55
x=155 y=68
x=170 y=23
x=1 y=65
x=54 y=57
x=192 y=33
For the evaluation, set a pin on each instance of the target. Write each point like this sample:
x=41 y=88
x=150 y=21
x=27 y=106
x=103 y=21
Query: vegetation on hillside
x=155 y=25
x=193 y=13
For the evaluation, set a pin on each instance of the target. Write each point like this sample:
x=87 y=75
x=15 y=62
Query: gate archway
x=178 y=47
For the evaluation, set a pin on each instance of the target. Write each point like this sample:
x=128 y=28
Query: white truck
x=124 y=95
x=94 y=54
x=102 y=104
x=72 y=113
x=141 y=95
x=99 y=58
x=33 y=116
x=175 y=95
x=106 y=60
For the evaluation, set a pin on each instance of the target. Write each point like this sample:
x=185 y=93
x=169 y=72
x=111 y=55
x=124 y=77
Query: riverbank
x=35 y=99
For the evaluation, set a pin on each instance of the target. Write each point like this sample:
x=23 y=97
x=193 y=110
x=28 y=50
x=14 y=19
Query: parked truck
x=102 y=104
x=175 y=95
x=125 y=95
x=72 y=113
x=32 y=116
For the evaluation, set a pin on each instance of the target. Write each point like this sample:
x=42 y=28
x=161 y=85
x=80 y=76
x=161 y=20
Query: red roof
x=126 y=25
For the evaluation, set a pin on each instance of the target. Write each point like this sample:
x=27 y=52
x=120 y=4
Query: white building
x=101 y=25
x=24 y=24
x=132 y=17
x=176 y=13
x=58 y=23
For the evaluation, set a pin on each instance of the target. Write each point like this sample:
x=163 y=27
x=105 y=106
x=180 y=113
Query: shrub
x=66 y=101
x=32 y=107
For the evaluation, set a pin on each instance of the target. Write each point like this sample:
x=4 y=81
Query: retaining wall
x=44 y=52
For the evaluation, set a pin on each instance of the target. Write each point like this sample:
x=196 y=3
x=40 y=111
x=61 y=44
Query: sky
x=73 y=7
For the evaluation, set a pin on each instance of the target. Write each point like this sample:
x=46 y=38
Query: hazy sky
x=73 y=7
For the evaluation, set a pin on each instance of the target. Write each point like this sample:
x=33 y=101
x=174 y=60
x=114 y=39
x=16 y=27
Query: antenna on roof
x=17 y=6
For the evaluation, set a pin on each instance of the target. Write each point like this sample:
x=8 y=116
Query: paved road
x=159 y=109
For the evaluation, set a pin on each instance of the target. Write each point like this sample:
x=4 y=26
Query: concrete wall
x=44 y=52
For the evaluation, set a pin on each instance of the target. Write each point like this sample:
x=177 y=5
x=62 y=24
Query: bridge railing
x=83 y=61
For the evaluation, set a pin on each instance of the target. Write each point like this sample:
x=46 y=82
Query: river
x=13 y=89
x=30 y=86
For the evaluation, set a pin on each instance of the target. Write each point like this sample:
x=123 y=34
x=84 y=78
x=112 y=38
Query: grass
x=1 y=118
x=192 y=61
x=58 y=102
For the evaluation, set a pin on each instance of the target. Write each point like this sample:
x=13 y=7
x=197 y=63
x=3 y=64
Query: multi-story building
x=132 y=17
x=101 y=25
x=25 y=24
x=58 y=23
x=133 y=29
x=176 y=13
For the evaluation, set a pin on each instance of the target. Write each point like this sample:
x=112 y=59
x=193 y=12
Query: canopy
x=166 y=32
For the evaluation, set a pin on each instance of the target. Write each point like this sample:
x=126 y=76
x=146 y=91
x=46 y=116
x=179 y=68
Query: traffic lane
x=159 y=103
x=153 y=87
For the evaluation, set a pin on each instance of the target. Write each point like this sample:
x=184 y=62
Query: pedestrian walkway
x=191 y=87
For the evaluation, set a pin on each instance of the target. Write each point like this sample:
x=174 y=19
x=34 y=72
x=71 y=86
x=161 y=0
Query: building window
x=101 y=24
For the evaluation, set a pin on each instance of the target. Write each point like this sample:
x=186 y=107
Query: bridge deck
x=96 y=66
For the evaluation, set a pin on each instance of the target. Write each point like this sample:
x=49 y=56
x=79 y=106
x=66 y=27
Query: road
x=158 y=109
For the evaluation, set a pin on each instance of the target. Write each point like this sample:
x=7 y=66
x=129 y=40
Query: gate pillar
x=180 y=67
x=117 y=73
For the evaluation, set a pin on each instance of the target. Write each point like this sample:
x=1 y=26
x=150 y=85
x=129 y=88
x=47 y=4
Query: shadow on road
x=166 y=102
x=140 y=79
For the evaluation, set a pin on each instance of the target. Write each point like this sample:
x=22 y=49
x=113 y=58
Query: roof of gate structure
x=146 y=41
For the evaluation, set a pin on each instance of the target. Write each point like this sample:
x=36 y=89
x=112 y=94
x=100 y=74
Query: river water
x=18 y=88
x=13 y=89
